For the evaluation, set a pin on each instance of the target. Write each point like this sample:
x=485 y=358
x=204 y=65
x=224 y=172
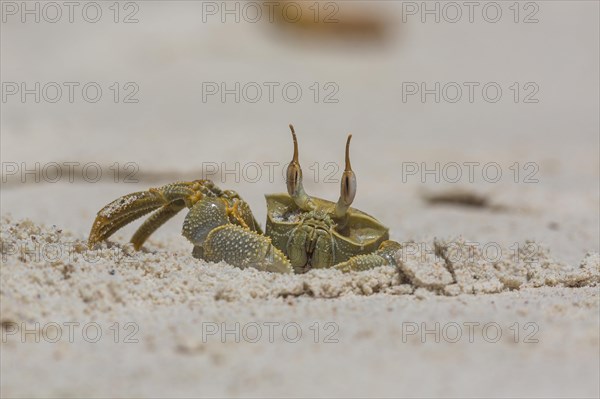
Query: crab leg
x=130 y=207
x=384 y=256
x=156 y=220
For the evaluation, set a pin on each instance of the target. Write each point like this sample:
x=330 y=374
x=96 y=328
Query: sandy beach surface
x=495 y=203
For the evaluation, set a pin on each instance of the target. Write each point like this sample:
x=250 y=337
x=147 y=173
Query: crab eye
x=293 y=177
x=294 y=173
x=348 y=189
x=294 y=180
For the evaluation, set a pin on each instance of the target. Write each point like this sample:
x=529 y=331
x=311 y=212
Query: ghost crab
x=302 y=232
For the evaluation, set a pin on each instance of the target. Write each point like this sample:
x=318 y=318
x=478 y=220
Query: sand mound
x=49 y=265
x=165 y=299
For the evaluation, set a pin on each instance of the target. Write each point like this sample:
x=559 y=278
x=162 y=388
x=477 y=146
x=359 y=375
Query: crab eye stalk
x=294 y=172
x=348 y=187
x=294 y=179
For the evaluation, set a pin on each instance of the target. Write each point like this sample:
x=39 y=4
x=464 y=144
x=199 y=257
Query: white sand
x=176 y=305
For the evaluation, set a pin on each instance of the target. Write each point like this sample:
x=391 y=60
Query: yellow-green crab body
x=312 y=240
x=302 y=232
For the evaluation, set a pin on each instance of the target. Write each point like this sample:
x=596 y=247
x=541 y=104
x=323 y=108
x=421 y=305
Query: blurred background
x=150 y=92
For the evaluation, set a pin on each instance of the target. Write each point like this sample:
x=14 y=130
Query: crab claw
x=244 y=248
x=121 y=212
x=170 y=198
